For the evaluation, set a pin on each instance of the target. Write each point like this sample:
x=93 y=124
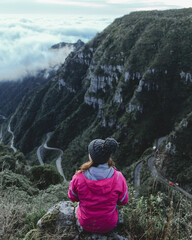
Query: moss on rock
x=36 y=234
x=48 y=221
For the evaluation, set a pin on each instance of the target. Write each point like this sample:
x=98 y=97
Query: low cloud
x=26 y=41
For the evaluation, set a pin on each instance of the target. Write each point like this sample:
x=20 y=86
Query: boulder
x=60 y=222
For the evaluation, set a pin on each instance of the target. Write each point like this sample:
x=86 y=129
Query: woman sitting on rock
x=99 y=188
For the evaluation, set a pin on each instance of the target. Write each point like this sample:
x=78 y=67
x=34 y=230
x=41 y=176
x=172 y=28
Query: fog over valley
x=26 y=40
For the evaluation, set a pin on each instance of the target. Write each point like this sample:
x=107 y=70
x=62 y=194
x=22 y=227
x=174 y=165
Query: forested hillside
x=132 y=81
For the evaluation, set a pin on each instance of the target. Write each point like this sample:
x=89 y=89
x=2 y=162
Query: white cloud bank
x=26 y=41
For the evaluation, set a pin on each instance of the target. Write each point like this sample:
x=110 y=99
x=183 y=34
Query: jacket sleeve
x=123 y=196
x=73 y=189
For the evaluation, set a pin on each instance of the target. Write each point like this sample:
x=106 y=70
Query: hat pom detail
x=110 y=145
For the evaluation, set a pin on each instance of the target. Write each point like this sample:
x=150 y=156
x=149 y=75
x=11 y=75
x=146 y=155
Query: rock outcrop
x=76 y=46
x=60 y=222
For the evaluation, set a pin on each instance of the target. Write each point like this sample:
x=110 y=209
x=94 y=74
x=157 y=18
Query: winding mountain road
x=137 y=181
x=155 y=173
x=39 y=154
x=13 y=137
x=160 y=141
x=59 y=159
x=1 y=133
x=153 y=170
x=1 y=129
x=10 y=131
x=39 y=150
x=137 y=169
x=3 y=117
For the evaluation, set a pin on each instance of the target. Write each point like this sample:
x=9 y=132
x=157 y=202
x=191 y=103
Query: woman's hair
x=89 y=164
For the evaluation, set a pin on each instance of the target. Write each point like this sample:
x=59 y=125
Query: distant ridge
x=76 y=45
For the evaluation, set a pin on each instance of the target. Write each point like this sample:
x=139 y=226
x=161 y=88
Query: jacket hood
x=101 y=186
x=100 y=172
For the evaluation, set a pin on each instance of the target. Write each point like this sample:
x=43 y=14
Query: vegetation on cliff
x=132 y=81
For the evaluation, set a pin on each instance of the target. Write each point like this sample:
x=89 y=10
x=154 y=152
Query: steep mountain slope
x=132 y=81
x=12 y=92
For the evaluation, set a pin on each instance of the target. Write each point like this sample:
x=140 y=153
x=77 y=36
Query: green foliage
x=20 y=211
x=45 y=175
x=20 y=157
x=11 y=161
x=35 y=234
x=9 y=179
x=7 y=162
x=160 y=216
x=32 y=219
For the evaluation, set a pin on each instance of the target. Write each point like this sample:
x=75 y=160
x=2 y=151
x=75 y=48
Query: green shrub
x=12 y=161
x=45 y=175
x=20 y=211
x=7 y=162
x=31 y=220
x=160 y=216
x=9 y=179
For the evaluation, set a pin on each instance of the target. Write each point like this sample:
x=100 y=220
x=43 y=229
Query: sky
x=28 y=28
x=87 y=7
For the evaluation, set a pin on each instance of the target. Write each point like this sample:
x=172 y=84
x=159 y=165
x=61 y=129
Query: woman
x=99 y=188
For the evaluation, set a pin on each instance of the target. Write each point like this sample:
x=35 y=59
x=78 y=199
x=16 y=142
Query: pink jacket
x=97 y=211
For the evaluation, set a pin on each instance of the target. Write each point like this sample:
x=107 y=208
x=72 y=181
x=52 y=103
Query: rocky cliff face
x=132 y=82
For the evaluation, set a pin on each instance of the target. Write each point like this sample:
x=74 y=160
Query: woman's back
x=98 y=199
x=97 y=210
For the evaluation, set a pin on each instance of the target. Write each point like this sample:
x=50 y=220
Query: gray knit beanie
x=100 y=150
